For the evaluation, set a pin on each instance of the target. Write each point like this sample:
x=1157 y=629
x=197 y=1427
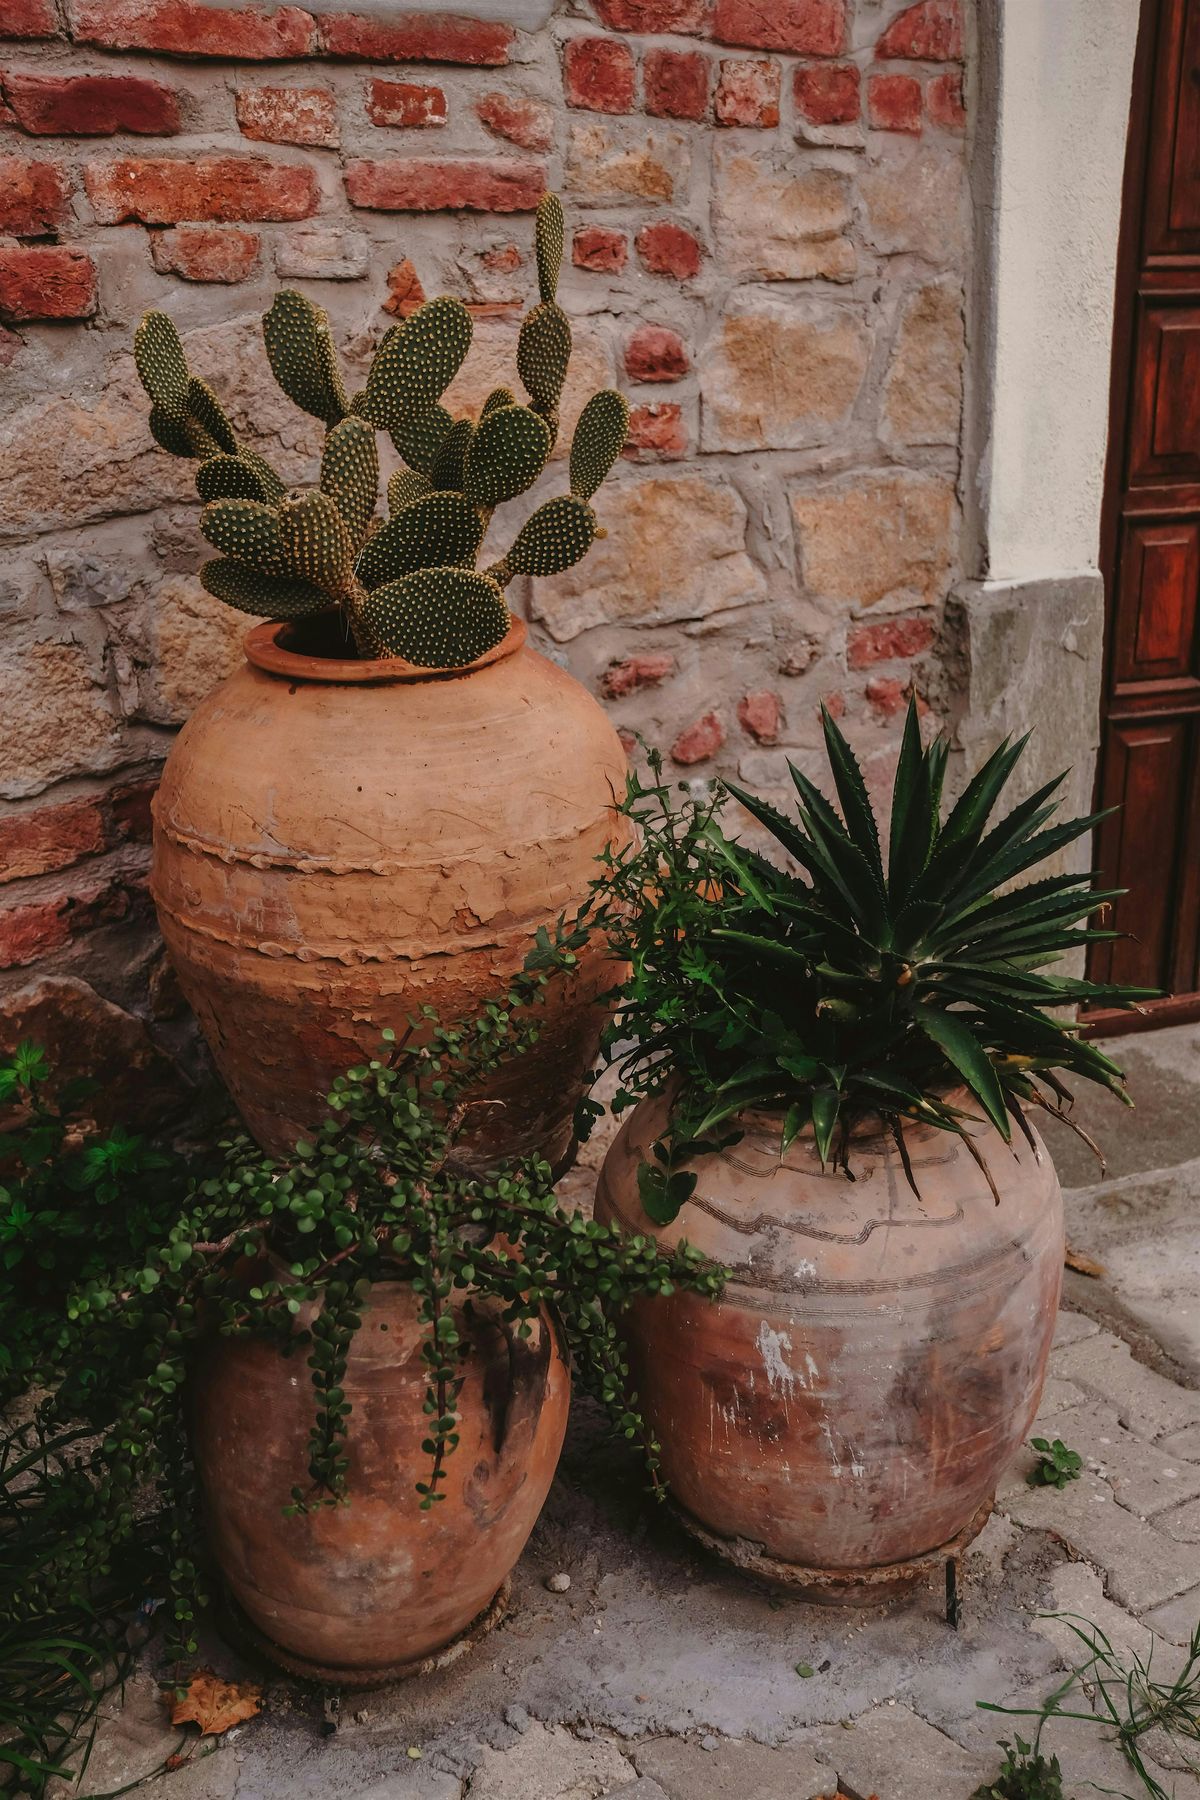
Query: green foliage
x=1056 y=1464
x=1123 y=1697
x=438 y=618
x=101 y=1481
x=288 y=555
x=852 y=987
x=1025 y=1775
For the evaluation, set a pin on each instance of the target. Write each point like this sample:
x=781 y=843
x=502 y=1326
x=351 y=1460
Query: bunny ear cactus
x=407 y=586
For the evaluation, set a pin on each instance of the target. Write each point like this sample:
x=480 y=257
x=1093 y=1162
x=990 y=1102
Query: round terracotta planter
x=339 y=843
x=841 y=1416
x=376 y=1589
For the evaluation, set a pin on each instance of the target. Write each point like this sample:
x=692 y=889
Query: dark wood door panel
x=1164 y=440
x=1146 y=776
x=1158 y=599
x=1173 y=186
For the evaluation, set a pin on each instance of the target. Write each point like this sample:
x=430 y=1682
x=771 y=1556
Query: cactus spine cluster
x=408 y=585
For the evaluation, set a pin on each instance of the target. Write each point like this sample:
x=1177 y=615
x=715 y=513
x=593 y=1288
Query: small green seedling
x=1056 y=1465
x=1026 y=1775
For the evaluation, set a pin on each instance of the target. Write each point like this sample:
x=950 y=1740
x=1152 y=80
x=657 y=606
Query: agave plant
x=853 y=983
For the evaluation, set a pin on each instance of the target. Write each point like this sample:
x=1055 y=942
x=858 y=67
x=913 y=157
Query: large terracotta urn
x=338 y=844
x=840 y=1417
x=375 y=1588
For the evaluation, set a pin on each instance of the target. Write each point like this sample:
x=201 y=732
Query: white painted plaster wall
x=1064 y=71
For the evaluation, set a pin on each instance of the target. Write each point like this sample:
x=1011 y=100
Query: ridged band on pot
x=338 y=844
x=357 y=1590
x=877 y=1359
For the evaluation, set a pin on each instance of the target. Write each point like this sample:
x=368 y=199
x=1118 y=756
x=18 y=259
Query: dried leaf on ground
x=1084 y=1265
x=214 y=1705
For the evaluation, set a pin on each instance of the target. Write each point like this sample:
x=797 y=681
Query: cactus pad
x=549 y=236
x=315 y=542
x=350 y=474
x=275 y=488
x=225 y=477
x=506 y=455
x=441 y=530
x=448 y=466
x=543 y=352
x=498 y=397
x=405 y=486
x=438 y=618
x=557 y=535
x=419 y=438
x=300 y=351
x=207 y=418
x=267 y=596
x=415 y=363
x=247 y=530
x=161 y=365
x=171 y=432
x=598 y=441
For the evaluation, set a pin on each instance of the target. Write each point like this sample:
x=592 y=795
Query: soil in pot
x=339 y=843
x=852 y=1399
x=367 y=1590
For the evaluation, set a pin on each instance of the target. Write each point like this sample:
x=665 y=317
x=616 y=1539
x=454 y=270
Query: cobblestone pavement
x=660 y=1673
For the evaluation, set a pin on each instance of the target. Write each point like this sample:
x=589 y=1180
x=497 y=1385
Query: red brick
x=931 y=31
x=91 y=105
x=635 y=672
x=46 y=281
x=288 y=115
x=828 y=94
x=503 y=260
x=887 y=640
x=656 y=431
x=206 y=252
x=894 y=103
x=761 y=715
x=48 y=838
x=685 y=16
x=700 y=740
x=748 y=94
x=655 y=353
x=944 y=100
x=834 y=703
x=29 y=932
x=676 y=84
x=405 y=292
x=28 y=19
x=34 y=197
x=601 y=248
x=189 y=28
x=405 y=103
x=161 y=192
x=806 y=27
x=411 y=185
x=599 y=74
x=887 y=696
x=524 y=122
x=416 y=37
x=667 y=249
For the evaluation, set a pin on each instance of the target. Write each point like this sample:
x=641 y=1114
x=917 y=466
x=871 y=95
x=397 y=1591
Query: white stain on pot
x=775 y=1347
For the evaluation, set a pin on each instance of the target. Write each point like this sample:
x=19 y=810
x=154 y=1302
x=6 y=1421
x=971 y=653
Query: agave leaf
x=966 y=1054
x=798 y=1115
x=968 y=817
x=826 y=1104
x=914 y=811
x=852 y=795
x=768 y=947
x=740 y=863
x=784 y=830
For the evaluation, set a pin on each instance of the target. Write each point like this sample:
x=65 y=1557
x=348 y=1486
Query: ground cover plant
x=1056 y=1464
x=98 y=1499
x=838 y=983
x=407 y=586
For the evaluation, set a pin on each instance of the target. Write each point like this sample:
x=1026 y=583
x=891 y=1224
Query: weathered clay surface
x=377 y=1582
x=332 y=856
x=876 y=1360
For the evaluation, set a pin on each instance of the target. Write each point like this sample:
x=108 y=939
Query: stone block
x=781 y=225
x=877 y=537
x=782 y=374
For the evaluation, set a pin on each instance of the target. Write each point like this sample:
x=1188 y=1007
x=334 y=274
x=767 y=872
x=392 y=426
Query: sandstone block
x=876 y=537
x=782 y=375
x=923 y=390
x=915 y=202
x=607 y=164
x=781 y=226
x=56 y=720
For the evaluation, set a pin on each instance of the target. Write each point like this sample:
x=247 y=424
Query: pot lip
x=265 y=651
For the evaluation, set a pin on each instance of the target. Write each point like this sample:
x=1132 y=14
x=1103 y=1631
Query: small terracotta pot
x=849 y=1404
x=339 y=843
x=371 y=1590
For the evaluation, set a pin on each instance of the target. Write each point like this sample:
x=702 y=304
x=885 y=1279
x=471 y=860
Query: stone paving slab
x=1142 y=1476
x=1140 y=1572
x=1144 y=1401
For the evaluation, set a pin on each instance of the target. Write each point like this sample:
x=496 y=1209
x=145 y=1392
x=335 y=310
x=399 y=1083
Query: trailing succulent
x=408 y=586
x=854 y=984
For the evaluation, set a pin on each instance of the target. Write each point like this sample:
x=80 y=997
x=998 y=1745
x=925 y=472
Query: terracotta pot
x=851 y=1401
x=368 y=1590
x=337 y=844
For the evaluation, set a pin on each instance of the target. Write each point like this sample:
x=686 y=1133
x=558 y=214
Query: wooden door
x=1150 y=553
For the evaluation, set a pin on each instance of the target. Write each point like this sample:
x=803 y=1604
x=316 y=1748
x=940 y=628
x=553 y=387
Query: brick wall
x=767 y=206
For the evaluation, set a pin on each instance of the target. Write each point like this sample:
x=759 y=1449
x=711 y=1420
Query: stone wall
x=768 y=225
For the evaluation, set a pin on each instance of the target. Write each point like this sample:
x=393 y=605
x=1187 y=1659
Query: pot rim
x=265 y=651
